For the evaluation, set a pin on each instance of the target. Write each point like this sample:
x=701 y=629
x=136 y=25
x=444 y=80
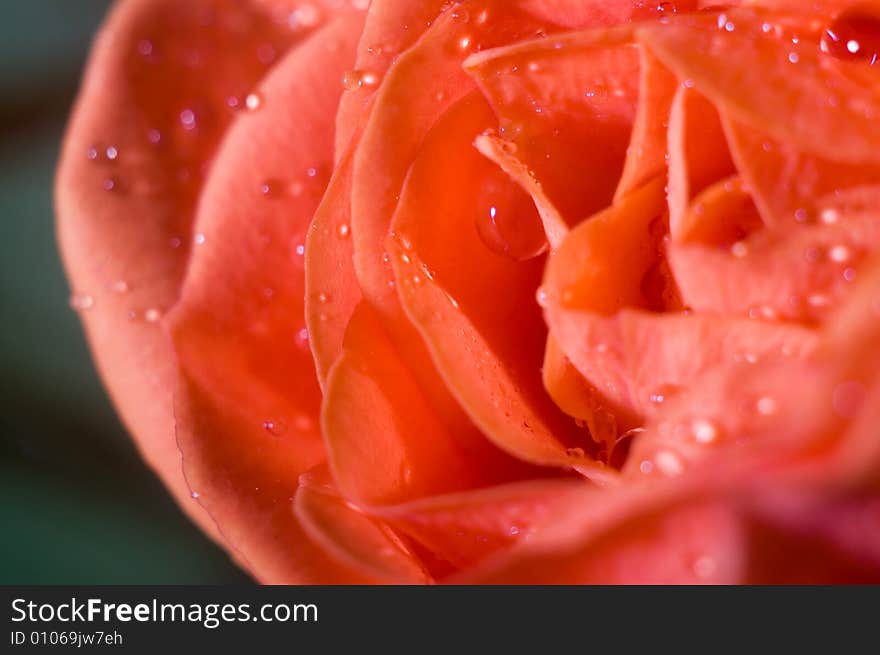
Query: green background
x=77 y=506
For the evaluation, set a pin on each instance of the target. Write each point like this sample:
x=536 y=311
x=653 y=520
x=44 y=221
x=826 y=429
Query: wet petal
x=157 y=97
x=449 y=271
x=762 y=79
x=568 y=103
x=384 y=441
x=362 y=543
x=698 y=155
x=247 y=410
x=464 y=529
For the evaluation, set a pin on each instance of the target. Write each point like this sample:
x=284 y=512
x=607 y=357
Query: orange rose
x=551 y=291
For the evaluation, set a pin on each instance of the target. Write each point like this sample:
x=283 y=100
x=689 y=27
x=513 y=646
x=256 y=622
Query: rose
x=534 y=291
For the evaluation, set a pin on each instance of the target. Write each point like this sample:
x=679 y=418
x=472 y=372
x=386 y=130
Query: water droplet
x=145 y=47
x=266 y=53
x=275 y=428
x=154 y=136
x=188 y=119
x=81 y=302
x=112 y=153
x=253 y=101
x=271 y=188
x=120 y=286
x=829 y=216
x=766 y=405
x=302 y=338
x=323 y=298
x=175 y=242
x=839 y=254
x=343 y=230
x=355 y=79
x=110 y=184
x=704 y=431
x=854 y=34
x=668 y=463
x=506 y=219
x=646 y=466
x=304 y=16
x=705 y=566
x=199 y=239
x=793 y=57
x=152 y=315
x=195 y=494
x=542 y=296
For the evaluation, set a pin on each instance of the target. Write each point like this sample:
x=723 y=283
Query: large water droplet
x=506 y=219
x=854 y=34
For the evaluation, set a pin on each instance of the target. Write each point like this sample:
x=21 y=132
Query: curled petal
x=247 y=406
x=762 y=79
x=159 y=92
x=385 y=443
x=363 y=543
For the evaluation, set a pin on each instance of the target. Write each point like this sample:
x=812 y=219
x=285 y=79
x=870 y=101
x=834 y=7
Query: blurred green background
x=77 y=506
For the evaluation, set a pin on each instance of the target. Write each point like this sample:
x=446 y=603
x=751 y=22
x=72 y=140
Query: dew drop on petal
x=188 y=119
x=302 y=338
x=766 y=405
x=81 y=302
x=506 y=219
x=253 y=101
x=152 y=315
x=704 y=431
x=275 y=428
x=705 y=566
x=668 y=463
x=854 y=34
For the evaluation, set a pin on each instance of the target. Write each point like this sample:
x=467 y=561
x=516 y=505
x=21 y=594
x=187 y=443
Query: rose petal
x=646 y=153
x=643 y=536
x=448 y=273
x=698 y=155
x=391 y=28
x=385 y=442
x=331 y=287
x=721 y=215
x=501 y=152
x=791 y=186
x=153 y=107
x=759 y=77
x=578 y=398
x=800 y=274
x=568 y=104
x=362 y=543
x=464 y=529
x=247 y=410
